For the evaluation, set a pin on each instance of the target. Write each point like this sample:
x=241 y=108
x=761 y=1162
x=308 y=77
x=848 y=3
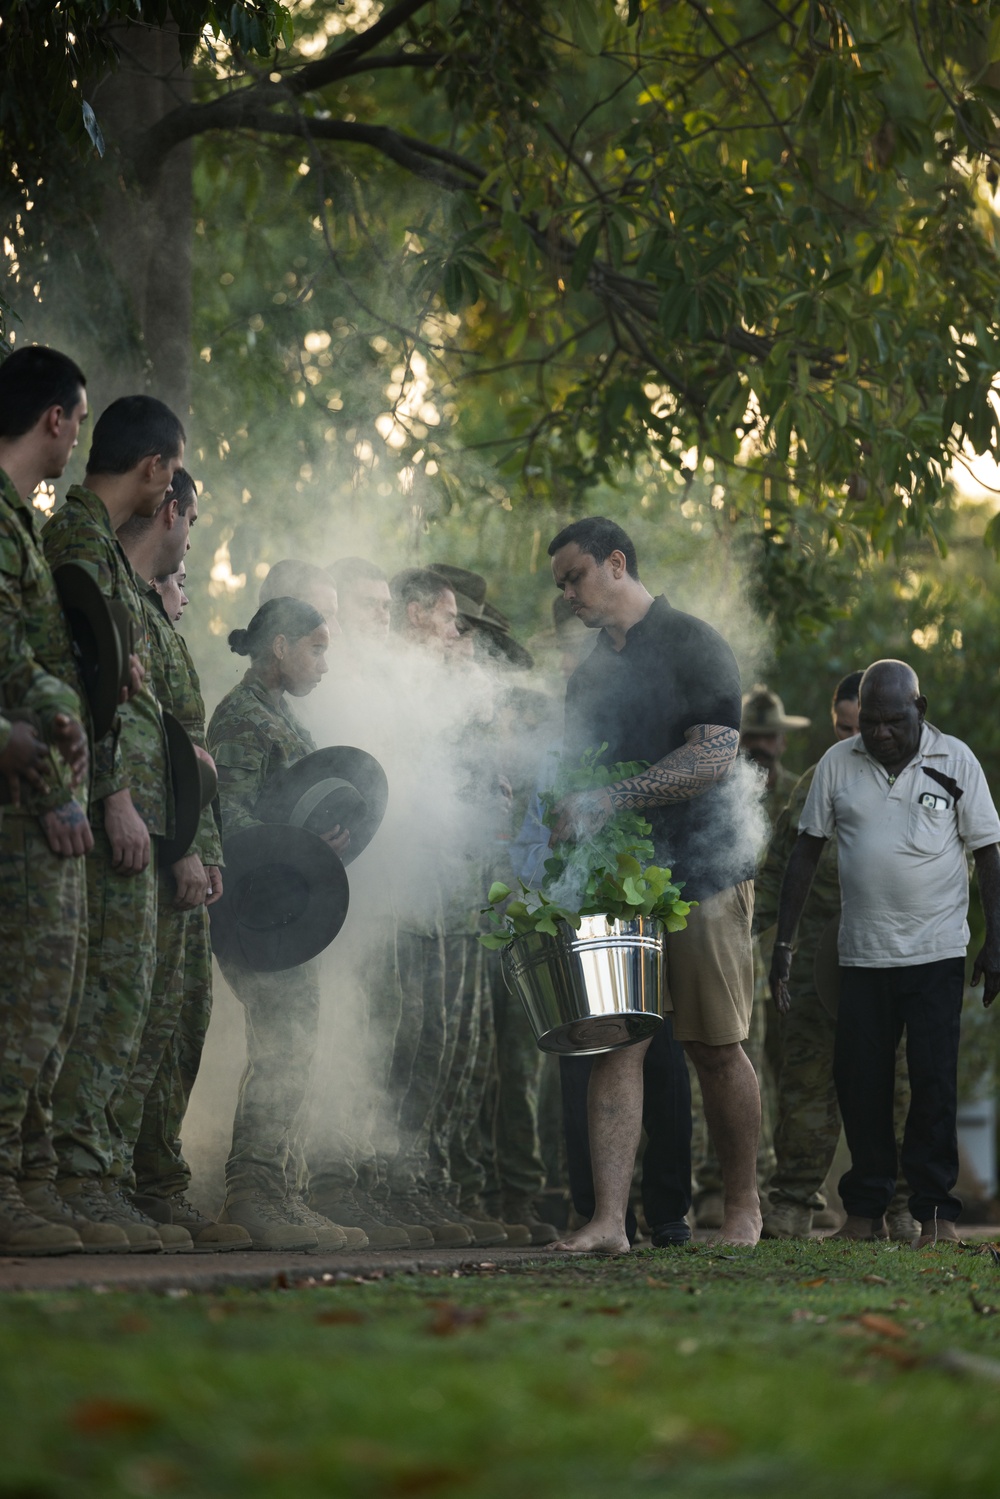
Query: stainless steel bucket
x=593 y=990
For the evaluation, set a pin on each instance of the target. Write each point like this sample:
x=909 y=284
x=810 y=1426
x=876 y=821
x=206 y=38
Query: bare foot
x=941 y=1232
x=594 y=1238
x=740 y=1226
x=866 y=1229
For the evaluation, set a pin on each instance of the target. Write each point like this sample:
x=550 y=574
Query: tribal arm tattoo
x=687 y=772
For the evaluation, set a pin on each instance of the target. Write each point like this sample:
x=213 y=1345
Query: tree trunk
x=148 y=233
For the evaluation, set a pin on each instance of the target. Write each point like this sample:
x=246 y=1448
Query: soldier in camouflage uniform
x=138 y=444
x=252 y=736
x=44 y=834
x=155 y=546
x=807 y=1116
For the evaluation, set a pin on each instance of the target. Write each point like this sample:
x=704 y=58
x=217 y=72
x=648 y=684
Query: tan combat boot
x=267 y=1220
x=87 y=1197
x=329 y=1235
x=23 y=1232
x=786 y=1220
x=42 y=1198
x=208 y=1236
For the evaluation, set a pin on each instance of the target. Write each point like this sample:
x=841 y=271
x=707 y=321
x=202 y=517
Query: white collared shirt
x=902 y=847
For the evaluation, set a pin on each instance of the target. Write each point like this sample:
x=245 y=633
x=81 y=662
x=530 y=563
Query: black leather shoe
x=667 y=1235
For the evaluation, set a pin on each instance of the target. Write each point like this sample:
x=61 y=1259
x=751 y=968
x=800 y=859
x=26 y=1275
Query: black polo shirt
x=673 y=672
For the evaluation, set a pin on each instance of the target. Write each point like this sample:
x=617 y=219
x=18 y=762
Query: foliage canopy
x=751 y=240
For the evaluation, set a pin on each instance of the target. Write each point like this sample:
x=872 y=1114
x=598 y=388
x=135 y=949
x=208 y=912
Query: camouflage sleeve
x=767 y=885
x=241 y=753
x=195 y=708
x=24 y=682
x=208 y=844
x=64 y=539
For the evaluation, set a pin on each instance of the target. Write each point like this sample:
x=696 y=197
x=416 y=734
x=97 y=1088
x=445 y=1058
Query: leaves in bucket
x=603 y=876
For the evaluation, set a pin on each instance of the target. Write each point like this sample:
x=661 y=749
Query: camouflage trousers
x=158 y=1161
x=121 y=959
x=43 y=954
x=357 y=1037
x=281 y=1012
x=457 y=1171
x=807 y=1128
x=431 y=989
x=516 y=1167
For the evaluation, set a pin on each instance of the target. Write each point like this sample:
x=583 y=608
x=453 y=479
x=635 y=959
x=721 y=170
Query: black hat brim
x=97 y=646
x=286 y=898
x=186 y=782
x=339 y=762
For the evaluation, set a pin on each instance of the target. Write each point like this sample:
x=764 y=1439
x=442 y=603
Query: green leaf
x=584 y=258
x=498 y=892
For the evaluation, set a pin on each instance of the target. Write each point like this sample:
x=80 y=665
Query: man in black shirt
x=664 y=687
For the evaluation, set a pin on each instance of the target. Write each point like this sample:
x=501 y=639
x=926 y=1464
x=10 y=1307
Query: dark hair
x=32 y=380
x=289 y=617
x=349 y=570
x=183 y=489
x=598 y=537
x=848 y=689
x=131 y=429
x=288 y=577
x=415 y=585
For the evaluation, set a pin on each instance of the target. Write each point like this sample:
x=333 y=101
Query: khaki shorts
x=710 y=969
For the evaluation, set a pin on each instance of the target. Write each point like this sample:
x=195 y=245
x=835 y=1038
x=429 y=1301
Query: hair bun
x=239 y=641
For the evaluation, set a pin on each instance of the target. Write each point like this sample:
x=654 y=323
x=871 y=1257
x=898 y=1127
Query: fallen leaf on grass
x=606 y=1311
x=100 y=1417
x=340 y=1316
x=874 y=1280
x=884 y=1327
x=449 y=1318
x=820 y=1280
x=901 y=1357
x=426 y=1480
x=133 y=1322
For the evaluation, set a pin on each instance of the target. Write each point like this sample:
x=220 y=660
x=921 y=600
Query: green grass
x=795 y=1370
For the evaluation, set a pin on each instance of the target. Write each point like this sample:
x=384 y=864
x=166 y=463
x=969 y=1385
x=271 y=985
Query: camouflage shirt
x=824 y=897
x=37 y=667
x=176 y=684
x=136 y=758
x=251 y=738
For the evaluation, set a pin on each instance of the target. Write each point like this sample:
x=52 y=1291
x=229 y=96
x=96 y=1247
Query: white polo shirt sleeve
x=978 y=823
x=818 y=819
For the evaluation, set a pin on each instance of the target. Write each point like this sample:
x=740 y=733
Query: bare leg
x=732 y=1110
x=614 y=1118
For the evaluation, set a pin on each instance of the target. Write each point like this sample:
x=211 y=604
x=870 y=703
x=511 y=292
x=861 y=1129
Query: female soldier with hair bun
x=252 y=736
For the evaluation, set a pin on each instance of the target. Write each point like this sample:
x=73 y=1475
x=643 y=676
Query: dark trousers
x=666 y=1118
x=876 y=1006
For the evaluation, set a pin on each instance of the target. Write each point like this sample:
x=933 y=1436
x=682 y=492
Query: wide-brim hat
x=826 y=967
x=764 y=713
x=498 y=638
x=340 y=786
x=469 y=588
x=194 y=786
x=99 y=646
x=285 y=899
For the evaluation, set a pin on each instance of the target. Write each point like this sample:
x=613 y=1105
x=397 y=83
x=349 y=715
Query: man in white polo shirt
x=908 y=805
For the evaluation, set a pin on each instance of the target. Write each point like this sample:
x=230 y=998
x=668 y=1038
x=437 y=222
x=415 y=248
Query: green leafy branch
x=618 y=882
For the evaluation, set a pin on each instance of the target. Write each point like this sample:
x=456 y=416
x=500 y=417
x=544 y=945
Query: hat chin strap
x=310 y=800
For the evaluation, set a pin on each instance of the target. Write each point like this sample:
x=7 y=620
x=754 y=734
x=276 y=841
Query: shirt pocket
x=930 y=828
